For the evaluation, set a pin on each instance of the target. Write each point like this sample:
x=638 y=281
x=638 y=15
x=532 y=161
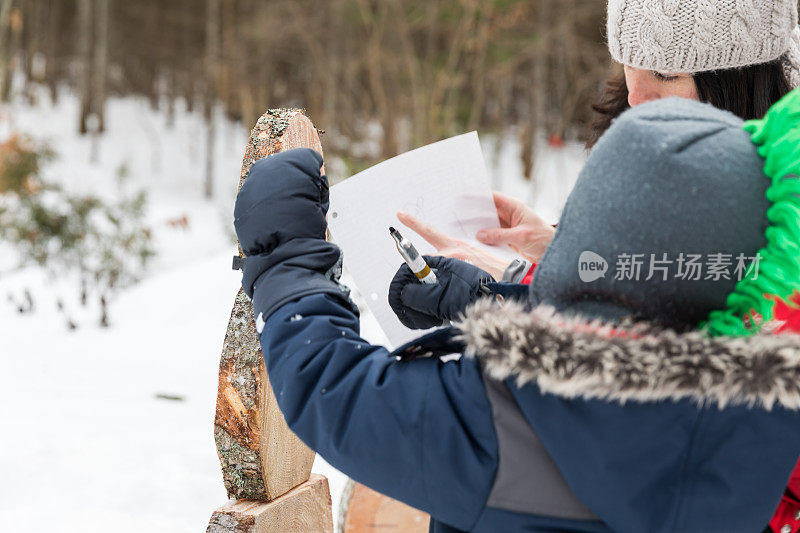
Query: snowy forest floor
x=110 y=429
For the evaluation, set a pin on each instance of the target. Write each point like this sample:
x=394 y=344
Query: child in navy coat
x=647 y=399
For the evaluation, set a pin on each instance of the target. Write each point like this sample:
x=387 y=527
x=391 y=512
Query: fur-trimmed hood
x=571 y=357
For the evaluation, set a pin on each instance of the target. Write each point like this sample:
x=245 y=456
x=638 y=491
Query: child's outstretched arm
x=418 y=431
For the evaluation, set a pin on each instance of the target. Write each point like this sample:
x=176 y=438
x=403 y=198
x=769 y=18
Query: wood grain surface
x=304 y=509
x=261 y=458
x=367 y=511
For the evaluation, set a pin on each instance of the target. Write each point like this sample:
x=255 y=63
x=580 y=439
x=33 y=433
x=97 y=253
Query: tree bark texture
x=305 y=509
x=212 y=73
x=261 y=458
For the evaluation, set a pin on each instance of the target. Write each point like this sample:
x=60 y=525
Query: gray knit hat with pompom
x=688 y=36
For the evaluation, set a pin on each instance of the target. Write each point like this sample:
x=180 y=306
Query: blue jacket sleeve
x=419 y=431
x=514 y=291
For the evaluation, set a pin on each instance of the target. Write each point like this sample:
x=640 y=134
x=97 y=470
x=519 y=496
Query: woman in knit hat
x=738 y=55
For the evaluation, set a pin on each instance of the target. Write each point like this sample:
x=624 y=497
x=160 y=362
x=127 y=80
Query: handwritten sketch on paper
x=444 y=184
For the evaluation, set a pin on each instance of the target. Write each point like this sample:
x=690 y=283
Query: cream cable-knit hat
x=690 y=36
x=791 y=63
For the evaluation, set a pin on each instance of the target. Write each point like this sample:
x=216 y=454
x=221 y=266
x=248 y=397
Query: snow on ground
x=86 y=444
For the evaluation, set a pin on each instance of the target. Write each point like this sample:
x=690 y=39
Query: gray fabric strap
x=527 y=480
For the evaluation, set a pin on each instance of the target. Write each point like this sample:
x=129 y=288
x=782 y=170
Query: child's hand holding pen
x=431 y=290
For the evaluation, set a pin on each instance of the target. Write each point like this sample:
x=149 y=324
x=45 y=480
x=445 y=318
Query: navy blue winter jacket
x=426 y=433
x=545 y=423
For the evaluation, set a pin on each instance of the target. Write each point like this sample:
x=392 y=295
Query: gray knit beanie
x=670 y=177
x=688 y=36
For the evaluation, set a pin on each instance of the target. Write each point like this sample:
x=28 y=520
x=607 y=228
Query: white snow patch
x=78 y=409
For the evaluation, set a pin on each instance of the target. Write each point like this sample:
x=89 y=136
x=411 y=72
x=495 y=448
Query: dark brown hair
x=747 y=92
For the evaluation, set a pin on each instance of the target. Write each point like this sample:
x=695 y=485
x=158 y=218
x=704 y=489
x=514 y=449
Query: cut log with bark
x=305 y=509
x=261 y=458
x=364 y=510
x=279 y=130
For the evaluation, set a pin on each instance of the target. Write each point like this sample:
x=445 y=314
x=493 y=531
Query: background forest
x=122 y=129
x=420 y=70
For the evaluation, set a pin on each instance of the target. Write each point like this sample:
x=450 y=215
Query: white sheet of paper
x=444 y=184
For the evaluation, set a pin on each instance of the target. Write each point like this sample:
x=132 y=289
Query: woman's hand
x=447 y=246
x=520 y=228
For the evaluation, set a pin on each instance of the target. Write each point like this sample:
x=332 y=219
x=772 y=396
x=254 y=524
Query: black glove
x=284 y=197
x=421 y=306
x=280 y=221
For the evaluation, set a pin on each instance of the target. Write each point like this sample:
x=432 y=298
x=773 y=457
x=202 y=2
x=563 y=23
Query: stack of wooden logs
x=266 y=469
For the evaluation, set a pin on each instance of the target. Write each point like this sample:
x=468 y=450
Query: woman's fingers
x=436 y=238
x=481 y=259
x=500 y=236
x=507 y=209
x=528 y=240
x=447 y=246
x=463 y=253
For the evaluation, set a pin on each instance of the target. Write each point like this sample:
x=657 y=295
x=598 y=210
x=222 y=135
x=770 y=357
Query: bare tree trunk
x=211 y=66
x=538 y=92
x=32 y=32
x=10 y=31
x=185 y=77
x=453 y=76
x=410 y=58
x=5 y=45
x=479 y=76
x=85 y=61
x=100 y=62
x=172 y=94
x=377 y=22
x=52 y=73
